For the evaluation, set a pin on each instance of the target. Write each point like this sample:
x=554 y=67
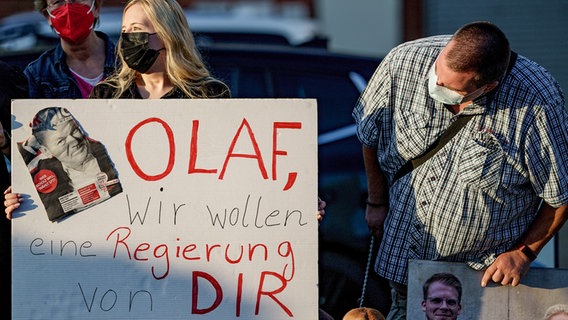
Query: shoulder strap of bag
x=442 y=140
x=450 y=132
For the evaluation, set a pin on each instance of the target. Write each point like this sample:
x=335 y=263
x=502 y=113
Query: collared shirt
x=475 y=198
x=49 y=75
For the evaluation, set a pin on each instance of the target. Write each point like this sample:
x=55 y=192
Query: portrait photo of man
x=70 y=171
x=442 y=297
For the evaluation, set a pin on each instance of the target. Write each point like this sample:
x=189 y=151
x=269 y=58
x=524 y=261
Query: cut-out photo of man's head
x=71 y=172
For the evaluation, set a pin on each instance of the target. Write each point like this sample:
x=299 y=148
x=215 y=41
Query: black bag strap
x=450 y=132
x=442 y=140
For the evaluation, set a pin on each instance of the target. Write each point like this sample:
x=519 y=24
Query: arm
x=33 y=86
x=378 y=199
x=5 y=146
x=511 y=266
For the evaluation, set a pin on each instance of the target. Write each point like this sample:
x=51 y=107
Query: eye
x=55 y=4
x=451 y=302
x=438 y=301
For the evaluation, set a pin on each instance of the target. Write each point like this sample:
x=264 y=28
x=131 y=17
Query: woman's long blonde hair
x=184 y=66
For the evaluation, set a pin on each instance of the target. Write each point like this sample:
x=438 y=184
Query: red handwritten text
x=244 y=133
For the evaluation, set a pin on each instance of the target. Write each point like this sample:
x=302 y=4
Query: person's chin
x=444 y=317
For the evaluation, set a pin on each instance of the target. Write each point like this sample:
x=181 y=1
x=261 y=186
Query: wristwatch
x=527 y=251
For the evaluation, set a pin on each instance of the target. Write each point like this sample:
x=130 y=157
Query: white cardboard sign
x=215 y=219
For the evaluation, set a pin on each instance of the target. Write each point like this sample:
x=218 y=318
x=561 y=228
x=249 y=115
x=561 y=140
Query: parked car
x=276 y=70
x=30 y=30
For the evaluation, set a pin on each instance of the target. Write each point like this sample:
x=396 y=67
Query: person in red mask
x=82 y=58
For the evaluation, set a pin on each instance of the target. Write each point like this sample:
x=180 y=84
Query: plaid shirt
x=474 y=199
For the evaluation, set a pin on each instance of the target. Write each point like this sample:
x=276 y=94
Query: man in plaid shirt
x=497 y=192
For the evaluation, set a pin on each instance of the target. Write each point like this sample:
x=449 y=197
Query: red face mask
x=73 y=21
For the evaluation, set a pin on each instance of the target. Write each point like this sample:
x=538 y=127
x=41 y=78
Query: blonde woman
x=159 y=57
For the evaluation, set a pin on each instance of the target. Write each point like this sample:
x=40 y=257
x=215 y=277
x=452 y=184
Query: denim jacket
x=49 y=75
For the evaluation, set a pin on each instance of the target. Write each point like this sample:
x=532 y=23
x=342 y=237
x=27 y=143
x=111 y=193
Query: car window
x=245 y=82
x=335 y=93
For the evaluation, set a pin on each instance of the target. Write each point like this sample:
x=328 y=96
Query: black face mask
x=137 y=52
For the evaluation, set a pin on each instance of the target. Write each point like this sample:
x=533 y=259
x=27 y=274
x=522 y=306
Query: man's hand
x=321 y=209
x=508 y=268
x=375 y=217
x=11 y=202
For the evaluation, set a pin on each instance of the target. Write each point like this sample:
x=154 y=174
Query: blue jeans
x=398 y=307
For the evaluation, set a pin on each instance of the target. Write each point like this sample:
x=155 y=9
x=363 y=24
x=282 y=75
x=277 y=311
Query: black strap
x=442 y=140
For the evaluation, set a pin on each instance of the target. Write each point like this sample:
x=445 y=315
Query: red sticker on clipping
x=45 y=181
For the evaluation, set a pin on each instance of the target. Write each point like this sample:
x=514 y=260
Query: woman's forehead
x=135 y=16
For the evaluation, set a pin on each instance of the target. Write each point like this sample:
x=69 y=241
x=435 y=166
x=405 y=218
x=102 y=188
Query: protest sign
x=211 y=214
x=539 y=289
